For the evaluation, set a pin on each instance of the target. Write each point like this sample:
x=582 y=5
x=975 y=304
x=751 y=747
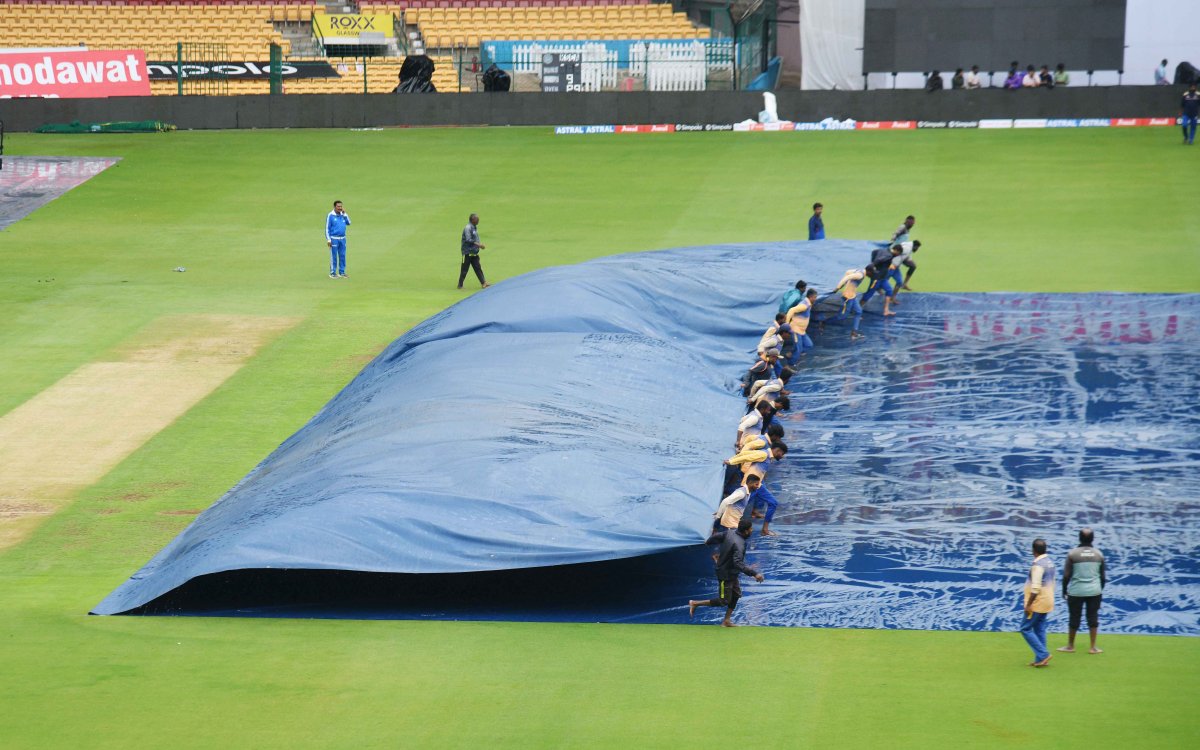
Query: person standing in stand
x=1161 y=78
x=470 y=252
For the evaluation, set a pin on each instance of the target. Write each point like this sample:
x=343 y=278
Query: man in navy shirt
x=470 y=252
x=1189 y=109
x=816 y=227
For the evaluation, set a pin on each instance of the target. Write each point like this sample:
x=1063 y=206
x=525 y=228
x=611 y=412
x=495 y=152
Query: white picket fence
x=665 y=66
x=598 y=70
x=670 y=67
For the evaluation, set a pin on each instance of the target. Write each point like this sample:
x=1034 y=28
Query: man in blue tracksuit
x=335 y=238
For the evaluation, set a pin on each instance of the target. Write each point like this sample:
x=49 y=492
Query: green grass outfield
x=1051 y=210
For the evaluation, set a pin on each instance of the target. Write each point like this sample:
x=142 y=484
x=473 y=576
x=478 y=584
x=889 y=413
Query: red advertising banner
x=74 y=74
x=1141 y=122
x=887 y=125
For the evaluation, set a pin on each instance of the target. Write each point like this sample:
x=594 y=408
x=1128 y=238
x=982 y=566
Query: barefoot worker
x=731 y=562
x=907 y=250
x=848 y=287
x=1083 y=583
x=901 y=236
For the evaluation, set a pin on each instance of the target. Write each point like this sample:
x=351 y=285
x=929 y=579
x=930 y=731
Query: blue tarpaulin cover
x=579 y=414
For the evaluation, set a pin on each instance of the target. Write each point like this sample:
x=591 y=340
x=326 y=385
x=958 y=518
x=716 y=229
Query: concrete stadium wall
x=630 y=108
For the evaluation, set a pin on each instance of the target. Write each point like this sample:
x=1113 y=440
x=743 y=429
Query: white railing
x=598 y=70
x=670 y=67
x=664 y=66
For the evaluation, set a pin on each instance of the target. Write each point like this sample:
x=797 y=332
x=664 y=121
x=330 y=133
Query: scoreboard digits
x=561 y=72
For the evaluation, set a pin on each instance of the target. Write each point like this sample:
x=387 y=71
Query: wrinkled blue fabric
x=580 y=414
x=570 y=415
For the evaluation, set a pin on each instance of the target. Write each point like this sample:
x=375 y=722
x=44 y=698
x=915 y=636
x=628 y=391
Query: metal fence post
x=276 y=72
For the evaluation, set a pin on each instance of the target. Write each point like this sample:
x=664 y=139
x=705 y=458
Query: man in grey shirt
x=470 y=252
x=1083 y=582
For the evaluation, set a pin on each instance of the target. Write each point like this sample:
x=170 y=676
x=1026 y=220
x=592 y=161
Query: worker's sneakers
x=855 y=335
x=332 y=275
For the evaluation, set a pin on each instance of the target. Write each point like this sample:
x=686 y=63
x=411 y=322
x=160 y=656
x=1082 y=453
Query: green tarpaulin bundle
x=143 y=126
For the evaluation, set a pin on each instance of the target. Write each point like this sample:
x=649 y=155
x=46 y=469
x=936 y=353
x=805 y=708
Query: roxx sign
x=352 y=23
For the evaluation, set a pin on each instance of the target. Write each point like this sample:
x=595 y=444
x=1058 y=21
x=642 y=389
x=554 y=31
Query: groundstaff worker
x=731 y=562
x=335 y=238
x=1039 y=603
x=470 y=252
x=1083 y=585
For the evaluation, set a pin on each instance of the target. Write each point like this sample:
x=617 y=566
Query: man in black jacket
x=877 y=269
x=731 y=561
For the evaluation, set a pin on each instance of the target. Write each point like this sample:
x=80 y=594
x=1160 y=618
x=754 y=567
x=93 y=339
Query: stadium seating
x=448 y=24
x=244 y=30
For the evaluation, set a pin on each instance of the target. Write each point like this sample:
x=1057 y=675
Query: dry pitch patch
x=70 y=435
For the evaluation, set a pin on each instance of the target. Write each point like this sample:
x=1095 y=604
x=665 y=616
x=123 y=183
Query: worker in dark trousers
x=470 y=252
x=731 y=562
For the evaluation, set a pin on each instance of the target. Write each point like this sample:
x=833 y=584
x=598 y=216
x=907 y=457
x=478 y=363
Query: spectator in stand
x=1189 y=110
x=1046 y=78
x=957 y=82
x=972 y=79
x=1030 y=80
x=1013 y=82
x=816 y=225
x=935 y=82
x=1061 y=77
x=1160 y=75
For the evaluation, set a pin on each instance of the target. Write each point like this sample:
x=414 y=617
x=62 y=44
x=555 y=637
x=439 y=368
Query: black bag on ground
x=416 y=76
x=496 y=79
